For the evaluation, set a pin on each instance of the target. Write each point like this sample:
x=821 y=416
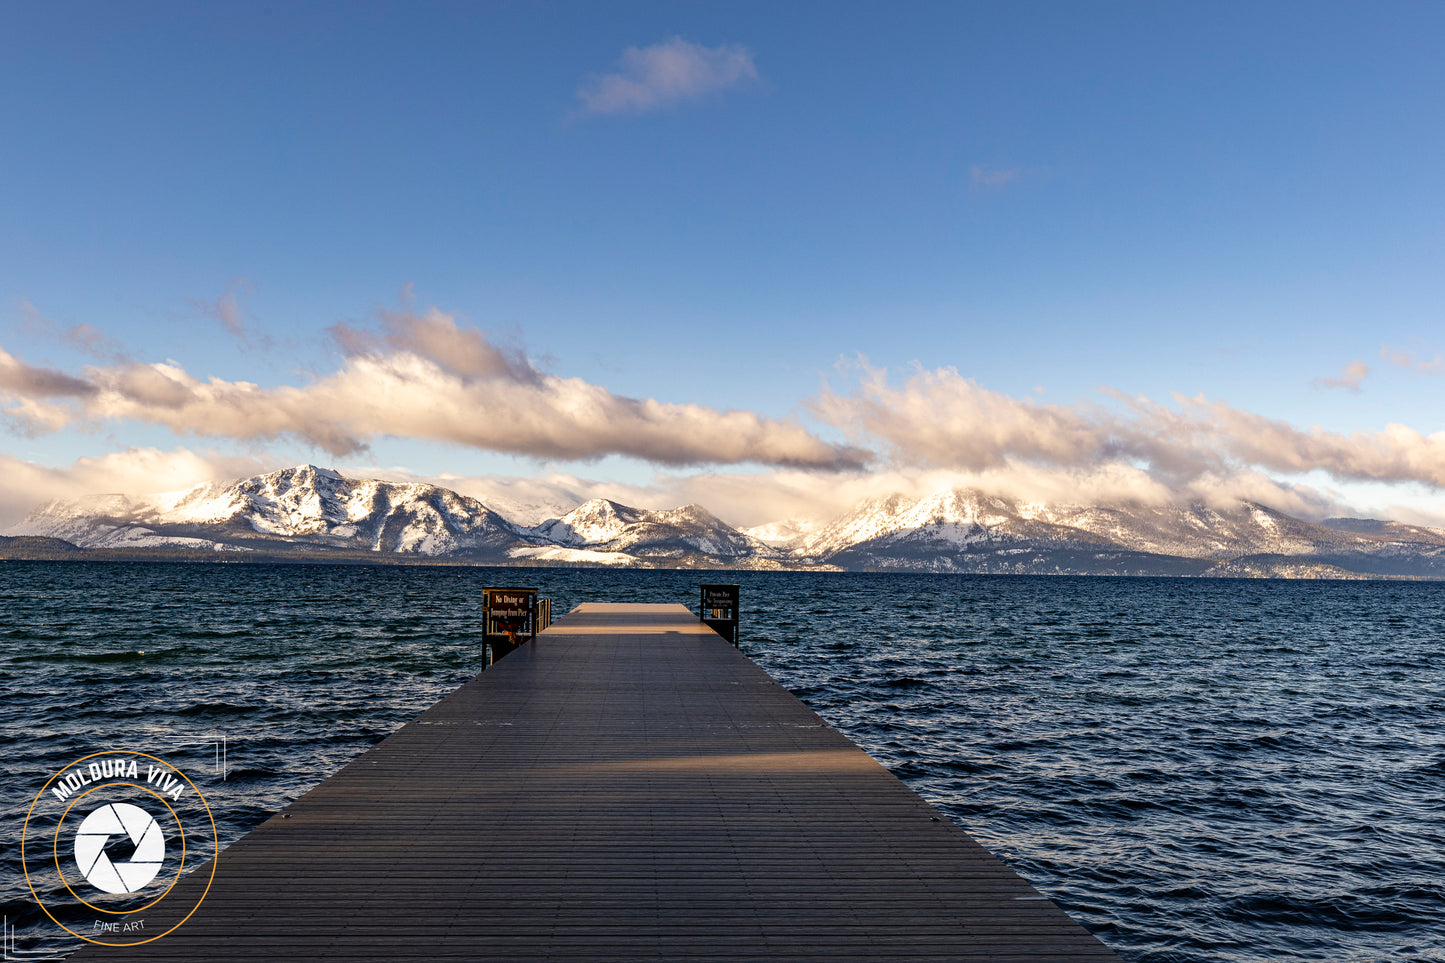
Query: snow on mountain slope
x=594 y=522
x=557 y=555
x=1191 y=531
x=606 y=526
x=302 y=505
x=946 y=520
x=965 y=530
x=950 y=530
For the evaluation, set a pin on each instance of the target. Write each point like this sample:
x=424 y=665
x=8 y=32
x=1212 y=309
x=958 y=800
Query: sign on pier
x=511 y=616
x=719 y=610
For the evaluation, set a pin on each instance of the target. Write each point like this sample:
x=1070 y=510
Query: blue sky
x=1110 y=249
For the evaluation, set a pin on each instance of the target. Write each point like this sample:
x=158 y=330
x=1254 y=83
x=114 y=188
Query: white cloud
x=421 y=377
x=748 y=499
x=227 y=308
x=82 y=337
x=436 y=336
x=993 y=177
x=664 y=74
x=741 y=499
x=1406 y=359
x=1398 y=453
x=1349 y=377
x=22 y=380
x=134 y=471
x=939 y=419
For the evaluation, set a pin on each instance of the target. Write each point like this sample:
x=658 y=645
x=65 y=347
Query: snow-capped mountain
x=301 y=507
x=318 y=512
x=309 y=510
x=946 y=521
x=605 y=525
x=964 y=530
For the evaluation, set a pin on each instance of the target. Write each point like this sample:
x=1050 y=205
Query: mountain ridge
x=319 y=513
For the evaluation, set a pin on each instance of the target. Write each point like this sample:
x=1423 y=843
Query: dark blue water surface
x=1196 y=770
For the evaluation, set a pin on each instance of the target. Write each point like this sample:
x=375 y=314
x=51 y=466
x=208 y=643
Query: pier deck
x=626 y=787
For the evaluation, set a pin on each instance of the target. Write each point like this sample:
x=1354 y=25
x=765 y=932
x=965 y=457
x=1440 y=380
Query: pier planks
x=626 y=787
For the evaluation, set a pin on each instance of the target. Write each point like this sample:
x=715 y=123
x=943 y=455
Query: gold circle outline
x=215 y=842
x=179 y=870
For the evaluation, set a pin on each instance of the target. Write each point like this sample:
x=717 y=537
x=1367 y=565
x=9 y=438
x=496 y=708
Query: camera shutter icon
x=126 y=875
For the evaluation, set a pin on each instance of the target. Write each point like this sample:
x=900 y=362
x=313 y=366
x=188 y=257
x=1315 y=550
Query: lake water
x=1196 y=770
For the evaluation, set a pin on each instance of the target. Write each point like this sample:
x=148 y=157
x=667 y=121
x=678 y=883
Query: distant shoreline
x=23 y=548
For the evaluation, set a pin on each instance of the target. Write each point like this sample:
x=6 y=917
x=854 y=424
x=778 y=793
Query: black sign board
x=509 y=618
x=719 y=610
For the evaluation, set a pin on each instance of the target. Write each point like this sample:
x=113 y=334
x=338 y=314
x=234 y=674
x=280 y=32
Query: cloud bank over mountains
x=423 y=376
x=941 y=419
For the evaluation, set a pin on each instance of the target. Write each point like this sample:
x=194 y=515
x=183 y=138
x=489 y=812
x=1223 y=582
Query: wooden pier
x=627 y=786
